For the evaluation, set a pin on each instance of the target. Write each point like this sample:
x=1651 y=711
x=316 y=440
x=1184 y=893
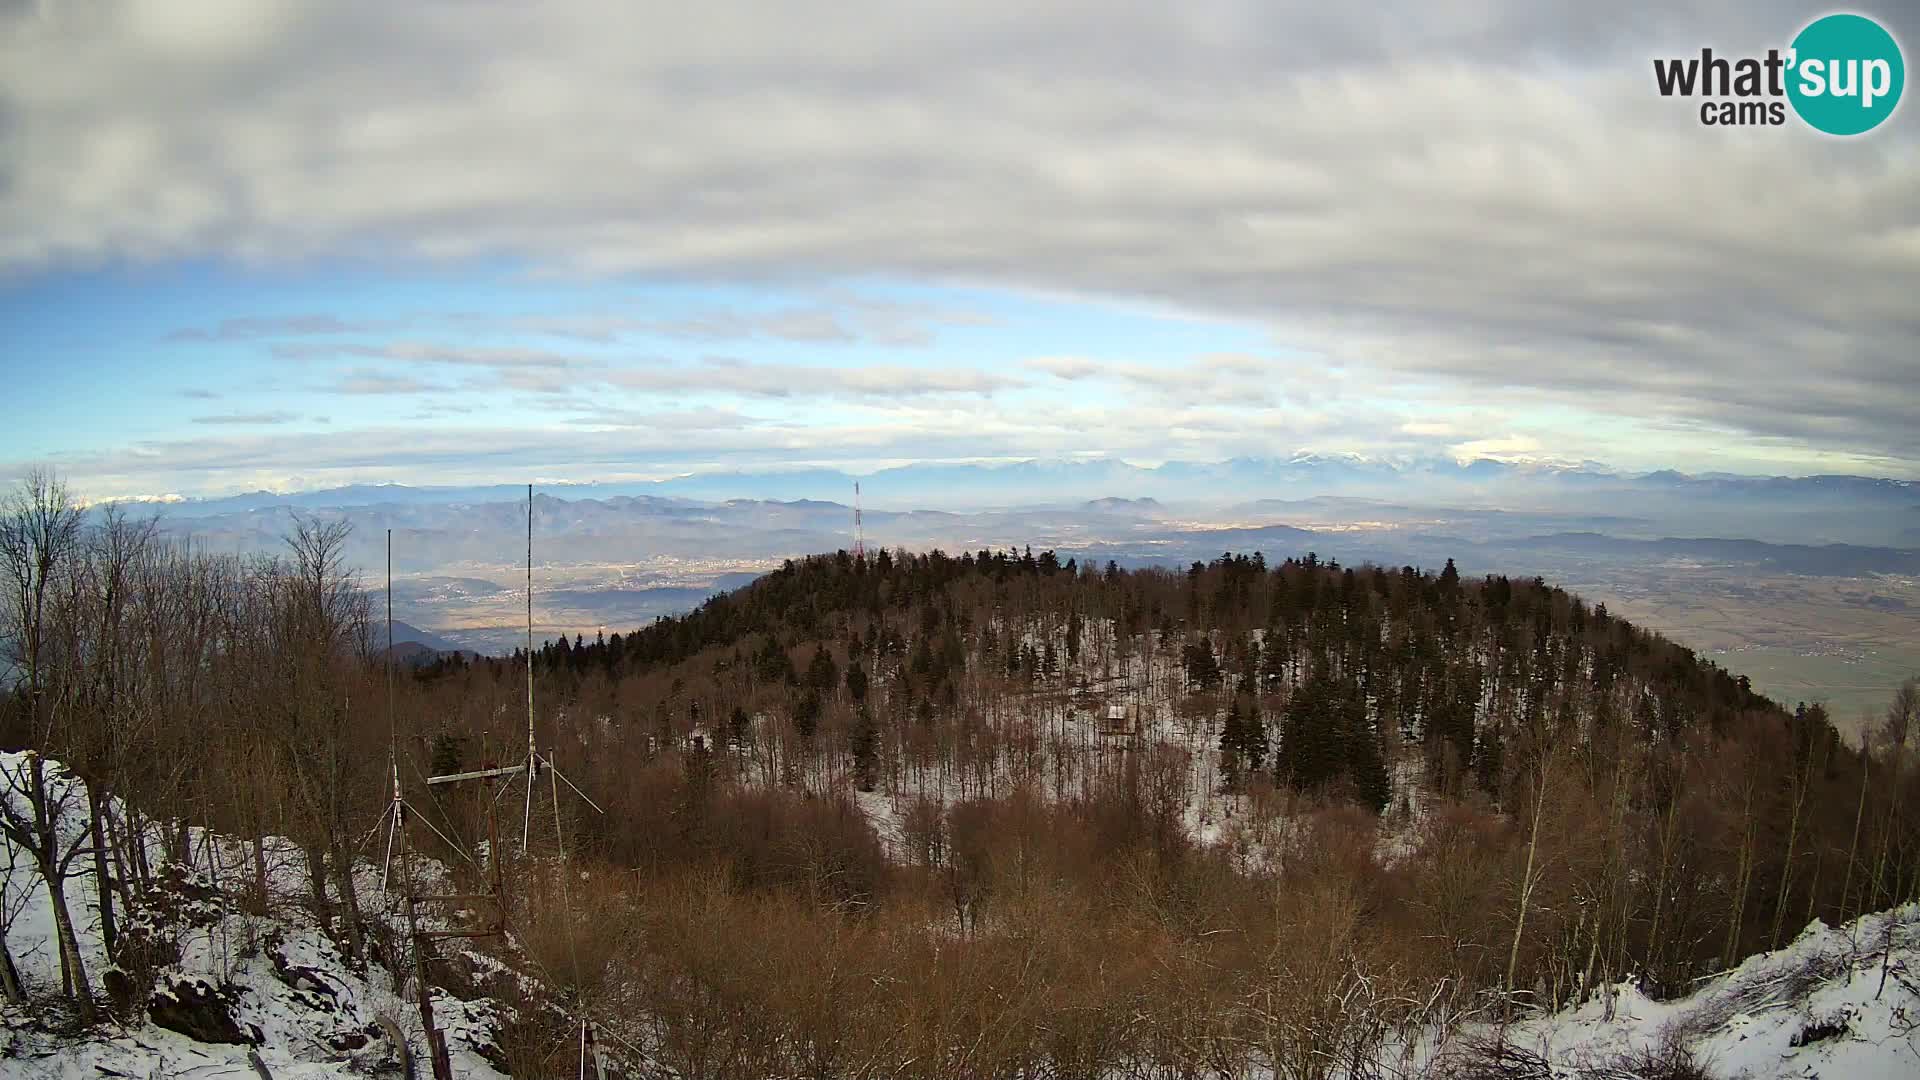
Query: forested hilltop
x=977 y=815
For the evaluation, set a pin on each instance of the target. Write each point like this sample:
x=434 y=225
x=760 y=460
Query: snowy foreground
x=1816 y=1008
x=273 y=984
x=1838 y=1002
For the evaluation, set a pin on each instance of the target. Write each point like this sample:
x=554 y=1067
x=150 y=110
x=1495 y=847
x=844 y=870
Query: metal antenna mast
x=533 y=753
x=395 y=817
x=395 y=821
x=535 y=761
x=534 y=764
x=400 y=814
x=393 y=732
x=859 y=528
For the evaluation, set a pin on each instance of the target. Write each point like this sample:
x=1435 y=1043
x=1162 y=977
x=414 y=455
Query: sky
x=280 y=244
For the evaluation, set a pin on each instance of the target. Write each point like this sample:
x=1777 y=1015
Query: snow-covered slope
x=272 y=983
x=1838 y=1002
x=1834 y=1003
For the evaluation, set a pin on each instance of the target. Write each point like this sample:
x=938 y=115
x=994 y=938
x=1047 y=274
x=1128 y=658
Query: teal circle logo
x=1845 y=74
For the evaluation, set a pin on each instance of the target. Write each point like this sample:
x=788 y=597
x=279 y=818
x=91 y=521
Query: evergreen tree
x=1253 y=743
x=449 y=753
x=1365 y=764
x=1327 y=734
x=806 y=714
x=822 y=674
x=1232 y=737
x=1309 y=742
x=1489 y=759
x=1273 y=658
x=1203 y=669
x=770 y=663
x=1243 y=739
x=866 y=749
x=691 y=813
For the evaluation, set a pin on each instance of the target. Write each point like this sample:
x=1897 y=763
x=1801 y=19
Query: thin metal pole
x=533 y=754
x=393 y=736
x=526 y=815
x=395 y=821
x=493 y=856
x=422 y=989
x=530 y=747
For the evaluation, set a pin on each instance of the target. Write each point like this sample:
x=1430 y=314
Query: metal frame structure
x=395 y=820
x=859 y=527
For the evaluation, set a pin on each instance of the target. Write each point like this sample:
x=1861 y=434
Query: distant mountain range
x=1823 y=560
x=1837 y=556
x=1107 y=481
x=1146 y=507
x=413 y=646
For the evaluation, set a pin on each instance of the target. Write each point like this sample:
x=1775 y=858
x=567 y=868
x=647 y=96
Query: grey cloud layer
x=260 y=419
x=1491 y=196
x=560 y=373
x=839 y=317
x=253 y=328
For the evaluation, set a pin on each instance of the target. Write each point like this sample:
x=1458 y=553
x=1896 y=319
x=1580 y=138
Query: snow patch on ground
x=279 y=978
x=1838 y=1002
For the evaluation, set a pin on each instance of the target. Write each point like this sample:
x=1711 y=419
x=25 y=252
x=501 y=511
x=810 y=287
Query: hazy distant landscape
x=1394 y=540
x=1811 y=586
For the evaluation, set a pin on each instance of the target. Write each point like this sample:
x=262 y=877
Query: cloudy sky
x=285 y=244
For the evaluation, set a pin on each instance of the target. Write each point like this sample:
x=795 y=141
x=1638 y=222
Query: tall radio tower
x=859 y=529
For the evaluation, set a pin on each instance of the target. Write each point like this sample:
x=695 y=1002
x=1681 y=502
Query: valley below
x=1838 y=624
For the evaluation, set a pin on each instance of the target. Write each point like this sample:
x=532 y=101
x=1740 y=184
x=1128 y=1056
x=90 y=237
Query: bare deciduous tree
x=39 y=531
